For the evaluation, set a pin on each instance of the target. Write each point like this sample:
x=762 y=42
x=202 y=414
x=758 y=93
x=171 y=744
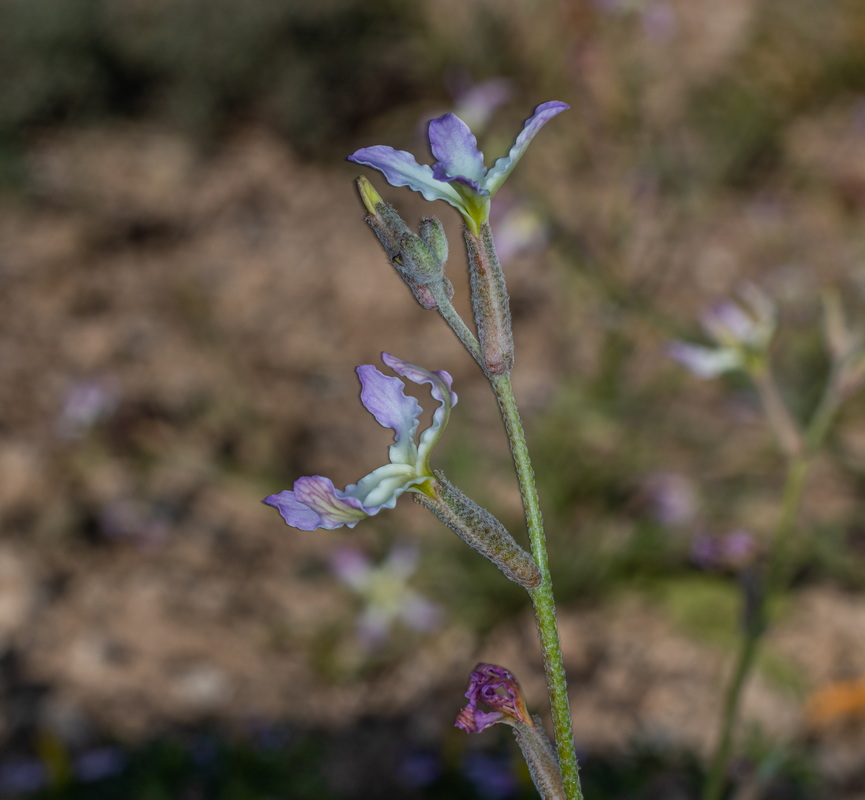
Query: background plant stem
x=799 y=460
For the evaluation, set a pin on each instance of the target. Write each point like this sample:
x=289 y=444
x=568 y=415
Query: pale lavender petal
x=402 y=560
x=401 y=169
x=316 y=503
x=704 y=362
x=502 y=168
x=385 y=399
x=440 y=388
x=293 y=511
x=728 y=324
x=421 y=614
x=439 y=380
x=373 y=626
x=456 y=150
x=351 y=566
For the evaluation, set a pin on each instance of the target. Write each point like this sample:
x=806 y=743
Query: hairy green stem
x=456 y=322
x=542 y=595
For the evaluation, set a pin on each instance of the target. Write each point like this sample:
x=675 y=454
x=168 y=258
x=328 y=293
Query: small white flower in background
x=741 y=330
x=387 y=597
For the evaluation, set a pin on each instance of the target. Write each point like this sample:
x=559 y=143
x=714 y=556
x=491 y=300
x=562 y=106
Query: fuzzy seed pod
x=490 y=302
x=478 y=528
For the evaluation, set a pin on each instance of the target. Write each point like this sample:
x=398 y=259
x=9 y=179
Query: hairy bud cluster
x=478 y=528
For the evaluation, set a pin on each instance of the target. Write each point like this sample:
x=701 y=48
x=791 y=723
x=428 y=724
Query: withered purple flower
x=498 y=689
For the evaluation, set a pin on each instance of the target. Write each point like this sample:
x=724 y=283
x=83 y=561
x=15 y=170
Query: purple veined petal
x=317 y=503
x=502 y=168
x=401 y=169
x=456 y=151
x=385 y=399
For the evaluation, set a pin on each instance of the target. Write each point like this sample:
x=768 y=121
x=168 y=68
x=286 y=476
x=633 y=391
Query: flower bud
x=478 y=528
x=419 y=260
x=433 y=234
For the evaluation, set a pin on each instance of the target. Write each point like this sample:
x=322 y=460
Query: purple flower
x=741 y=331
x=385 y=592
x=316 y=503
x=497 y=688
x=459 y=176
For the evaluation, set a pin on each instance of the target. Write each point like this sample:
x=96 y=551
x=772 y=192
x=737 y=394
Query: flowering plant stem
x=797 y=471
x=542 y=596
x=799 y=458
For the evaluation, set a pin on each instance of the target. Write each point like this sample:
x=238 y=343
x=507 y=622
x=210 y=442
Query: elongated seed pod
x=490 y=302
x=478 y=528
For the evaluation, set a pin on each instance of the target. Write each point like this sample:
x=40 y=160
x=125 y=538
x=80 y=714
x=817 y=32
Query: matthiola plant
x=460 y=177
x=742 y=332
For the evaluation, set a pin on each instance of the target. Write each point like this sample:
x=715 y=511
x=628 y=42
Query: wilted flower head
x=741 y=331
x=316 y=503
x=459 y=176
x=498 y=689
x=384 y=588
